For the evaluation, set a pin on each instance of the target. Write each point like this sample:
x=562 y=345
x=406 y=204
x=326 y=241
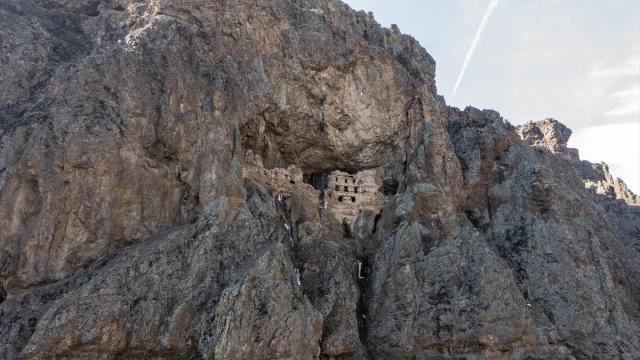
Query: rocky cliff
x=129 y=229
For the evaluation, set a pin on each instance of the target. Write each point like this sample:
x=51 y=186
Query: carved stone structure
x=279 y=179
x=347 y=194
x=345 y=197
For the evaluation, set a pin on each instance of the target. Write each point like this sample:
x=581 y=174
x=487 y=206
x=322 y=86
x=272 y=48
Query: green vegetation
x=631 y=310
x=538 y=314
x=328 y=327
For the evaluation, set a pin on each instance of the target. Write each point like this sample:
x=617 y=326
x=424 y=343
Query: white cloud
x=616 y=144
x=627 y=109
x=628 y=102
x=622 y=81
x=633 y=92
x=629 y=67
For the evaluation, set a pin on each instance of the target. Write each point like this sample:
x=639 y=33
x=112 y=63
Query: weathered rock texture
x=129 y=230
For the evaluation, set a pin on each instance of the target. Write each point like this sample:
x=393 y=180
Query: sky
x=577 y=61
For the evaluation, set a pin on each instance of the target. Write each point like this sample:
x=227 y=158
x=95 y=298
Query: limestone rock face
x=549 y=134
x=163 y=167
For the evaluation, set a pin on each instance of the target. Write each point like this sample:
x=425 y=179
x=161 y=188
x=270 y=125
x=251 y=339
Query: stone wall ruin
x=345 y=195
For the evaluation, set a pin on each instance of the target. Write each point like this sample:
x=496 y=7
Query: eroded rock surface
x=163 y=173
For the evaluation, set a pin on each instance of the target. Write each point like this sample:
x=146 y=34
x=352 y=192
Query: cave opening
x=390 y=187
x=319 y=181
x=346 y=229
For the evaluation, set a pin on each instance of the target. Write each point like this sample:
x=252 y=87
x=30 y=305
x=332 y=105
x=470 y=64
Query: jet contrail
x=487 y=14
